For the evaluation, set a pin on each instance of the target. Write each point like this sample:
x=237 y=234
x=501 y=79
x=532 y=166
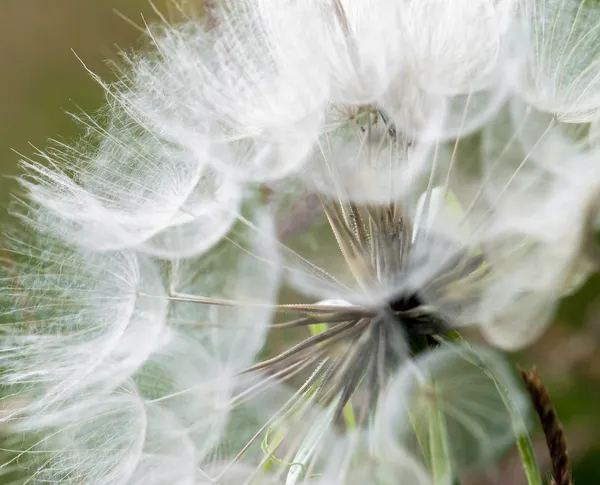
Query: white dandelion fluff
x=541 y=258
x=453 y=58
x=114 y=438
x=127 y=188
x=94 y=356
x=75 y=320
x=99 y=442
x=453 y=46
x=361 y=48
x=249 y=91
x=561 y=71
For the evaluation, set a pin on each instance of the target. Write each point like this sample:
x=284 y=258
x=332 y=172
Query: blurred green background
x=40 y=76
x=41 y=79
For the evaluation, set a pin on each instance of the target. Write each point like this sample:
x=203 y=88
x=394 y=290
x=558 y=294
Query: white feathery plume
x=561 y=68
x=244 y=268
x=453 y=57
x=75 y=320
x=540 y=135
x=95 y=358
x=99 y=441
x=196 y=374
x=362 y=48
x=452 y=46
x=115 y=438
x=249 y=93
x=124 y=187
x=547 y=251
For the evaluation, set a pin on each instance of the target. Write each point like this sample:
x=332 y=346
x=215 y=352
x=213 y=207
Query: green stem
x=439 y=448
x=524 y=444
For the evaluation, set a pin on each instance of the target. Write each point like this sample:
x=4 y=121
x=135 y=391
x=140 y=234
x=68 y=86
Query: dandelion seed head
x=447 y=197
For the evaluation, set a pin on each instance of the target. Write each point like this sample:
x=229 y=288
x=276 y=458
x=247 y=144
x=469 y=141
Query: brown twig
x=510 y=469
x=553 y=431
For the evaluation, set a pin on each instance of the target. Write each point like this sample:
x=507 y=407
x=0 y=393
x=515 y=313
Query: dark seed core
x=405 y=303
x=420 y=327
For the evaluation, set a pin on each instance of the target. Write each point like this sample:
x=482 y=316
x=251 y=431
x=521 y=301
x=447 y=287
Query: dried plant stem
x=553 y=431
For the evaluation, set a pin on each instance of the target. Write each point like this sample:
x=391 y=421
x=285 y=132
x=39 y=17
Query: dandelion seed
x=130 y=189
x=73 y=321
x=451 y=64
x=561 y=71
x=249 y=90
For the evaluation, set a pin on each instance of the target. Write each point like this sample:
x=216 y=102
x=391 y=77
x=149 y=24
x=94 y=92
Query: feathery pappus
x=257 y=265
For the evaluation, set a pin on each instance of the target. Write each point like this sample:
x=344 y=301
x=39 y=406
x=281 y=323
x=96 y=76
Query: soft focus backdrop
x=41 y=80
x=40 y=76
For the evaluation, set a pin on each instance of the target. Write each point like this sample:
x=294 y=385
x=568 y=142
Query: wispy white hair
x=125 y=187
x=75 y=320
x=204 y=111
x=560 y=73
x=121 y=381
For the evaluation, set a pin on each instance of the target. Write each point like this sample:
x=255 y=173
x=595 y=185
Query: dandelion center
x=351 y=350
